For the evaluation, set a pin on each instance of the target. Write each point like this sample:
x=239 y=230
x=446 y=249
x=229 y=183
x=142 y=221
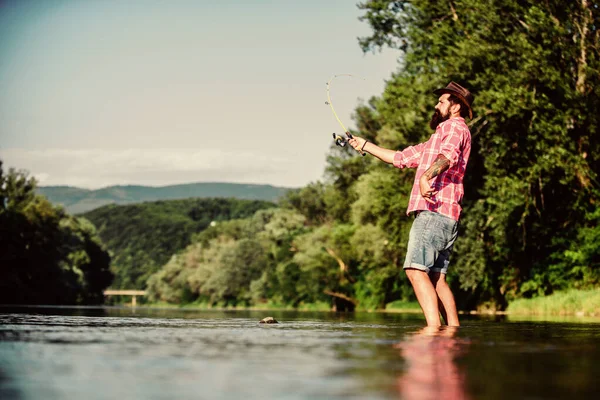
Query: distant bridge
x=132 y=293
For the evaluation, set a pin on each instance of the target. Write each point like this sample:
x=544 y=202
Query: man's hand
x=426 y=190
x=357 y=142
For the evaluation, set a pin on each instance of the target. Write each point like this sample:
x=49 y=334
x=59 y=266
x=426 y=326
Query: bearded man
x=435 y=199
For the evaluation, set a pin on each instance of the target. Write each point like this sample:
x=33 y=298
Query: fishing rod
x=340 y=140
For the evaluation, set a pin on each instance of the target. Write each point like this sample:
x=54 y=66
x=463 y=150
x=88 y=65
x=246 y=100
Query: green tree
x=309 y=201
x=46 y=255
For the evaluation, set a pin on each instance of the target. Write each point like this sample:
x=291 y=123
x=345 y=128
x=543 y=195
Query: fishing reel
x=340 y=141
x=343 y=141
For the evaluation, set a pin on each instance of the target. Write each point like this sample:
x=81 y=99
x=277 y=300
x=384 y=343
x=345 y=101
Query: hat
x=463 y=95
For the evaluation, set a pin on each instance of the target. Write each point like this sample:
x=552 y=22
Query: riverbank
x=569 y=302
x=396 y=306
x=572 y=302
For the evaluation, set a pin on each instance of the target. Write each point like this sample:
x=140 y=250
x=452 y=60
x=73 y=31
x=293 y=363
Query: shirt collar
x=449 y=120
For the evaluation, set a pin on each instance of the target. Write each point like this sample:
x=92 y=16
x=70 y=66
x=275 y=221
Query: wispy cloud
x=94 y=168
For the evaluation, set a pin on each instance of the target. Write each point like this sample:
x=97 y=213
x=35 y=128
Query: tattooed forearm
x=440 y=164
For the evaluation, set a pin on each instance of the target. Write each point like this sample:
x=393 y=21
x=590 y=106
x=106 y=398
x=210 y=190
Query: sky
x=104 y=92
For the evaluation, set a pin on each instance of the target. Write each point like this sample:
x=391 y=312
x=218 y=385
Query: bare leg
x=426 y=295
x=442 y=309
x=446 y=298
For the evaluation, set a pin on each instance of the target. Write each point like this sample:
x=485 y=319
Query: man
x=435 y=199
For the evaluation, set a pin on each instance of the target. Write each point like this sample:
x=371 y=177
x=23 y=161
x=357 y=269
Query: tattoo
x=440 y=164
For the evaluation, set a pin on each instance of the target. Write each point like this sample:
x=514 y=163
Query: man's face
x=442 y=111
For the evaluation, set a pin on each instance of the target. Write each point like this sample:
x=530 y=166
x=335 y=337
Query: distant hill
x=77 y=200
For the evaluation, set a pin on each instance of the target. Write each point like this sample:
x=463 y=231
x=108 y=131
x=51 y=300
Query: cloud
x=95 y=168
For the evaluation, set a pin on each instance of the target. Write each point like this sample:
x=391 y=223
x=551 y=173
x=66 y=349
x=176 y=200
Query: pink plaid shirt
x=453 y=140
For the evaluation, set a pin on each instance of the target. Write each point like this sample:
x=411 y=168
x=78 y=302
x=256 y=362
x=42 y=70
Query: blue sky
x=102 y=92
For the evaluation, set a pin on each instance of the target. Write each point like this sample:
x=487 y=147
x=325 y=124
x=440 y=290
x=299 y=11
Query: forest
x=142 y=237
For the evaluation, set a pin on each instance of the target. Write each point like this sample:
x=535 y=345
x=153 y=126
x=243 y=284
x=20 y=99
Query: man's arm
x=440 y=164
x=384 y=155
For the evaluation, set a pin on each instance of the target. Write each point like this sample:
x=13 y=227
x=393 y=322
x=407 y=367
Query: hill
x=76 y=200
x=142 y=237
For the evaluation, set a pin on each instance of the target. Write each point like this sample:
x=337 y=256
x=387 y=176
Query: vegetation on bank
x=46 y=255
x=274 y=256
x=568 y=302
x=403 y=306
x=267 y=306
x=142 y=237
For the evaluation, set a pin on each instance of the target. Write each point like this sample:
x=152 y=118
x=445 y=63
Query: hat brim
x=458 y=95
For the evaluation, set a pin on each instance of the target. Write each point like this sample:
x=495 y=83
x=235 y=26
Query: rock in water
x=268 y=320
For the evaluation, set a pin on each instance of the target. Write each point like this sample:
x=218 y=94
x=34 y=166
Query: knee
x=412 y=273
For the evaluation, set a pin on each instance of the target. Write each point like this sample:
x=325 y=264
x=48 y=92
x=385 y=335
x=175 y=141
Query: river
x=120 y=353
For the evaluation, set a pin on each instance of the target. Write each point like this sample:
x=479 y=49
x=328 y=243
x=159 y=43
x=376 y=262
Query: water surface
x=67 y=353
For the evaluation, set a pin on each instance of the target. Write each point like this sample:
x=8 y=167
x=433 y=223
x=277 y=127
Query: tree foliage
x=46 y=255
x=143 y=237
x=233 y=262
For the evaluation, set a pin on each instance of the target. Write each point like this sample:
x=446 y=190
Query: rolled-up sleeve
x=409 y=157
x=452 y=139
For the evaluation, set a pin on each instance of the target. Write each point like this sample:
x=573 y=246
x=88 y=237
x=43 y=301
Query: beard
x=437 y=118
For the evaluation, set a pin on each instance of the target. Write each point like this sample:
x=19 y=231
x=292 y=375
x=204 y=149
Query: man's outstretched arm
x=440 y=164
x=384 y=155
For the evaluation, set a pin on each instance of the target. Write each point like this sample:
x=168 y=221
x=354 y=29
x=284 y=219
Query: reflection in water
x=432 y=372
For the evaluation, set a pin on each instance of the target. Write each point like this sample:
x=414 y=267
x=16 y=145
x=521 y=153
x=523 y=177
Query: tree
x=46 y=255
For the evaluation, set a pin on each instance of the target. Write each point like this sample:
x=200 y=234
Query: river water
x=112 y=353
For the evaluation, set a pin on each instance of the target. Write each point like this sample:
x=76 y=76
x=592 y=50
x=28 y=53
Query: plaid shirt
x=453 y=140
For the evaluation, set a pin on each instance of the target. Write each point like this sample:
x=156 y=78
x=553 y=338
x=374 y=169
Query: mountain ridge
x=77 y=200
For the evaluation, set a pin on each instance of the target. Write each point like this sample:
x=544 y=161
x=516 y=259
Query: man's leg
x=426 y=295
x=446 y=297
x=442 y=310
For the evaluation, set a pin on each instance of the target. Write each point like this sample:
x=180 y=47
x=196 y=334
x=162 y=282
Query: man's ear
x=455 y=108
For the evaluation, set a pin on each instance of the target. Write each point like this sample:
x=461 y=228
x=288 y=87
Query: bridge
x=132 y=293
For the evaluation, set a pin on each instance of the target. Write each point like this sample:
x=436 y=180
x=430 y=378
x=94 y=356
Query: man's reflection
x=431 y=369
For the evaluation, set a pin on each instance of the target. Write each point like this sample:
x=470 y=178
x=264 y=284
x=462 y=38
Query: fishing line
x=339 y=140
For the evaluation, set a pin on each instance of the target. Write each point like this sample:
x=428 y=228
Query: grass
x=403 y=306
x=569 y=302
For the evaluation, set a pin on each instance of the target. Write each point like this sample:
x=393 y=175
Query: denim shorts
x=430 y=242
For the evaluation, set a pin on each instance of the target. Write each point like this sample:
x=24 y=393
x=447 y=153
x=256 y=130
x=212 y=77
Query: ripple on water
x=230 y=356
